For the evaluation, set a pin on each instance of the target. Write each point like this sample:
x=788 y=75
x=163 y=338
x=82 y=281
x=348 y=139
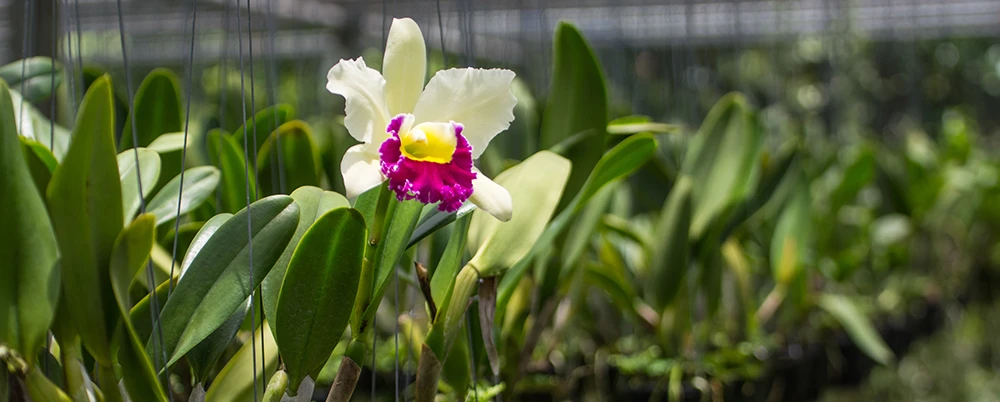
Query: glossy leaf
x=288 y=159
x=436 y=219
x=149 y=168
x=200 y=183
x=32 y=124
x=157 y=109
x=28 y=249
x=201 y=239
x=226 y=155
x=218 y=280
x=639 y=124
x=84 y=198
x=313 y=202
x=790 y=241
x=168 y=143
x=451 y=261
x=496 y=245
x=858 y=327
x=128 y=257
x=41 y=162
x=202 y=357
x=668 y=263
x=400 y=221
x=266 y=121
x=318 y=291
x=577 y=103
x=36 y=74
x=722 y=158
x=235 y=382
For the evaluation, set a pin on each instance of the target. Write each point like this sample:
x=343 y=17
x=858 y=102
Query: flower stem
x=447 y=325
x=277 y=387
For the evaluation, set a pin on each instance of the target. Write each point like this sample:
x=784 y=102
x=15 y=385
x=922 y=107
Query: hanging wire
x=29 y=19
x=79 y=50
x=71 y=65
x=52 y=90
x=472 y=356
x=444 y=52
x=272 y=93
x=187 y=119
x=154 y=312
x=246 y=167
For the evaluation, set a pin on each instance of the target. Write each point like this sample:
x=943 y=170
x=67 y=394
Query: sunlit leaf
x=157 y=109
x=39 y=80
x=288 y=159
x=226 y=155
x=199 y=184
x=235 y=381
x=149 y=168
x=858 y=327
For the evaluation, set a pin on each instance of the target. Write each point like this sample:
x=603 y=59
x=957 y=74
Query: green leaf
x=288 y=159
x=858 y=327
x=129 y=255
x=639 y=124
x=266 y=121
x=199 y=184
x=85 y=201
x=142 y=320
x=791 y=236
x=722 y=159
x=436 y=219
x=184 y=235
x=317 y=295
x=168 y=143
x=619 y=162
x=226 y=155
x=149 y=167
x=32 y=124
x=218 y=279
x=201 y=239
x=37 y=74
x=41 y=162
x=447 y=268
x=313 y=202
x=577 y=103
x=497 y=245
x=28 y=249
x=400 y=221
x=235 y=381
x=669 y=257
x=157 y=109
x=202 y=357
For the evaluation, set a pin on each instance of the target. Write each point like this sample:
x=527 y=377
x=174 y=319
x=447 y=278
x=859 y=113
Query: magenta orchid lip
x=449 y=183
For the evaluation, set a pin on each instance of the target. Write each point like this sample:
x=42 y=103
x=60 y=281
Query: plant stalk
x=347 y=379
x=447 y=325
x=276 y=387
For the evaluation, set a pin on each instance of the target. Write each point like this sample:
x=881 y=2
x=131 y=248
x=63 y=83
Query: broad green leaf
x=790 y=242
x=266 y=121
x=84 y=198
x=235 y=381
x=669 y=257
x=773 y=175
x=202 y=357
x=220 y=277
x=29 y=290
x=184 y=235
x=142 y=320
x=168 y=143
x=201 y=238
x=639 y=124
x=577 y=103
x=32 y=124
x=149 y=168
x=454 y=253
x=400 y=221
x=128 y=257
x=40 y=388
x=288 y=159
x=722 y=159
x=199 y=184
x=313 y=202
x=317 y=294
x=436 y=219
x=583 y=229
x=37 y=75
x=41 y=162
x=496 y=245
x=226 y=155
x=157 y=109
x=858 y=327
x=619 y=162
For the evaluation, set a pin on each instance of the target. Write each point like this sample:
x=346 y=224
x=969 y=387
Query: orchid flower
x=423 y=139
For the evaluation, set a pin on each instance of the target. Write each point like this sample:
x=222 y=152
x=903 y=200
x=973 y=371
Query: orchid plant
x=423 y=140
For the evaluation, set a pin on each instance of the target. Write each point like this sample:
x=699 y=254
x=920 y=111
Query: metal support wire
x=154 y=311
x=29 y=19
x=246 y=167
x=187 y=119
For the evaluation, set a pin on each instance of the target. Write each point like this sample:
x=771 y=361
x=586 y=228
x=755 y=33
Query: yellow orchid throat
x=429 y=142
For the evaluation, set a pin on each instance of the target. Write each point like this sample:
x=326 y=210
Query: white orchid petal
x=479 y=99
x=362 y=88
x=491 y=197
x=360 y=168
x=404 y=67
